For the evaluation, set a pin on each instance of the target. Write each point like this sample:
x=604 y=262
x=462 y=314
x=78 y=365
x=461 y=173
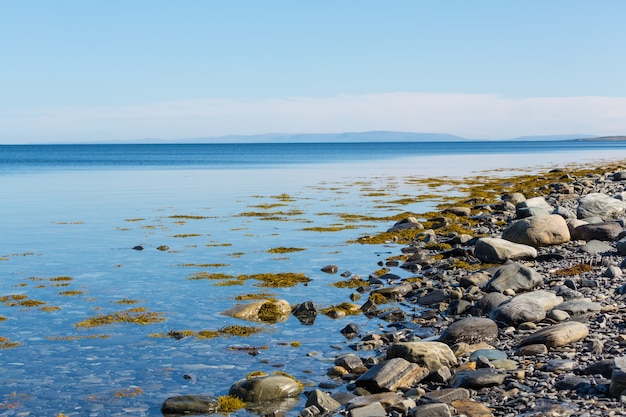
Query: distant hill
x=604 y=138
x=374 y=136
x=553 y=137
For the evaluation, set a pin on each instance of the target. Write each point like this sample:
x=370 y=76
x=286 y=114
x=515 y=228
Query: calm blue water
x=239 y=156
x=76 y=211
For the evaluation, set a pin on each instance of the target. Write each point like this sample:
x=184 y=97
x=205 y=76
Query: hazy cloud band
x=480 y=116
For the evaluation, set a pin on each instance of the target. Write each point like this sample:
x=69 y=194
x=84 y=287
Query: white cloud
x=470 y=115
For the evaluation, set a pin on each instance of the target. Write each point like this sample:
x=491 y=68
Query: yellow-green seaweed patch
x=139 y=315
x=278 y=280
x=282 y=249
x=229 y=403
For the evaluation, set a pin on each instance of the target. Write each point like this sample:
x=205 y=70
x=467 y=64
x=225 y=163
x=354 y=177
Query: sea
x=90 y=325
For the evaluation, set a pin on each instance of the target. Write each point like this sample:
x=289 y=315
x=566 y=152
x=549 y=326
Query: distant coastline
x=356 y=137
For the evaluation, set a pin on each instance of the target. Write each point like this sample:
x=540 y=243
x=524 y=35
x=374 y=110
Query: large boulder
x=265 y=388
x=391 y=375
x=516 y=277
x=494 y=250
x=557 y=335
x=538 y=231
x=536 y=206
x=519 y=310
x=600 y=205
x=598 y=231
x=432 y=355
x=470 y=330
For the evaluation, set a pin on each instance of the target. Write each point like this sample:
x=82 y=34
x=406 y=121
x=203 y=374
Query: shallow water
x=83 y=224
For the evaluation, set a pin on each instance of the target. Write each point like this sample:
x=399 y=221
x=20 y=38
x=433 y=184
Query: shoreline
x=544 y=342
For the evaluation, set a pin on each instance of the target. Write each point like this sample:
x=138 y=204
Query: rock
x=595 y=246
x=477 y=379
x=579 y=306
x=603 y=367
x=434 y=297
x=547 y=299
x=618 y=376
x=432 y=355
x=446 y=395
x=557 y=335
x=330 y=269
x=470 y=330
x=572 y=383
x=324 y=402
x=305 y=312
x=537 y=231
x=535 y=206
x=516 y=277
x=371 y=410
x=598 y=231
x=494 y=250
x=491 y=354
x=190 y=404
x=386 y=399
x=459 y=211
x=351 y=330
x=265 y=388
x=532 y=350
x=138 y=247
x=514 y=198
x=613 y=272
x=270 y=311
x=431 y=410
x=471 y=408
x=394 y=292
x=391 y=375
x=561 y=365
x=407 y=223
x=601 y=205
x=621 y=246
x=488 y=302
x=351 y=362
x=518 y=310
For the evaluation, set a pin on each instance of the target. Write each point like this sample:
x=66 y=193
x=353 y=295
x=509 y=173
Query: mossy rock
x=268 y=311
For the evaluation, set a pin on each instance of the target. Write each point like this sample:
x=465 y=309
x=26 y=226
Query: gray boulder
x=538 y=231
x=432 y=355
x=470 y=330
x=392 y=375
x=536 y=206
x=557 y=335
x=600 y=205
x=598 y=231
x=190 y=404
x=516 y=277
x=596 y=246
x=618 y=377
x=519 y=310
x=494 y=250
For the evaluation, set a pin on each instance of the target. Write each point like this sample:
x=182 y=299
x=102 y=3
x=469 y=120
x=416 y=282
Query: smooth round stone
x=561 y=365
x=505 y=364
x=528 y=325
x=491 y=354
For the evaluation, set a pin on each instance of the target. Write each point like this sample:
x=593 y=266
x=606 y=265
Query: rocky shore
x=515 y=307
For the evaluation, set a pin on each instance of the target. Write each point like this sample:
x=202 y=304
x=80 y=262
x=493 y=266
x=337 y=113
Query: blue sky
x=120 y=70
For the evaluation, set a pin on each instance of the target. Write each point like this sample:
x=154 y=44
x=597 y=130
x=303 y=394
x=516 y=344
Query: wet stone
x=477 y=379
x=190 y=404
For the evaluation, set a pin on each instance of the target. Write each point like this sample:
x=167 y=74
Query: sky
x=89 y=71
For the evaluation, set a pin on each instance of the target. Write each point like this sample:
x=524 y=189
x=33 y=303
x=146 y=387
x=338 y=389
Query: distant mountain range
x=374 y=136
